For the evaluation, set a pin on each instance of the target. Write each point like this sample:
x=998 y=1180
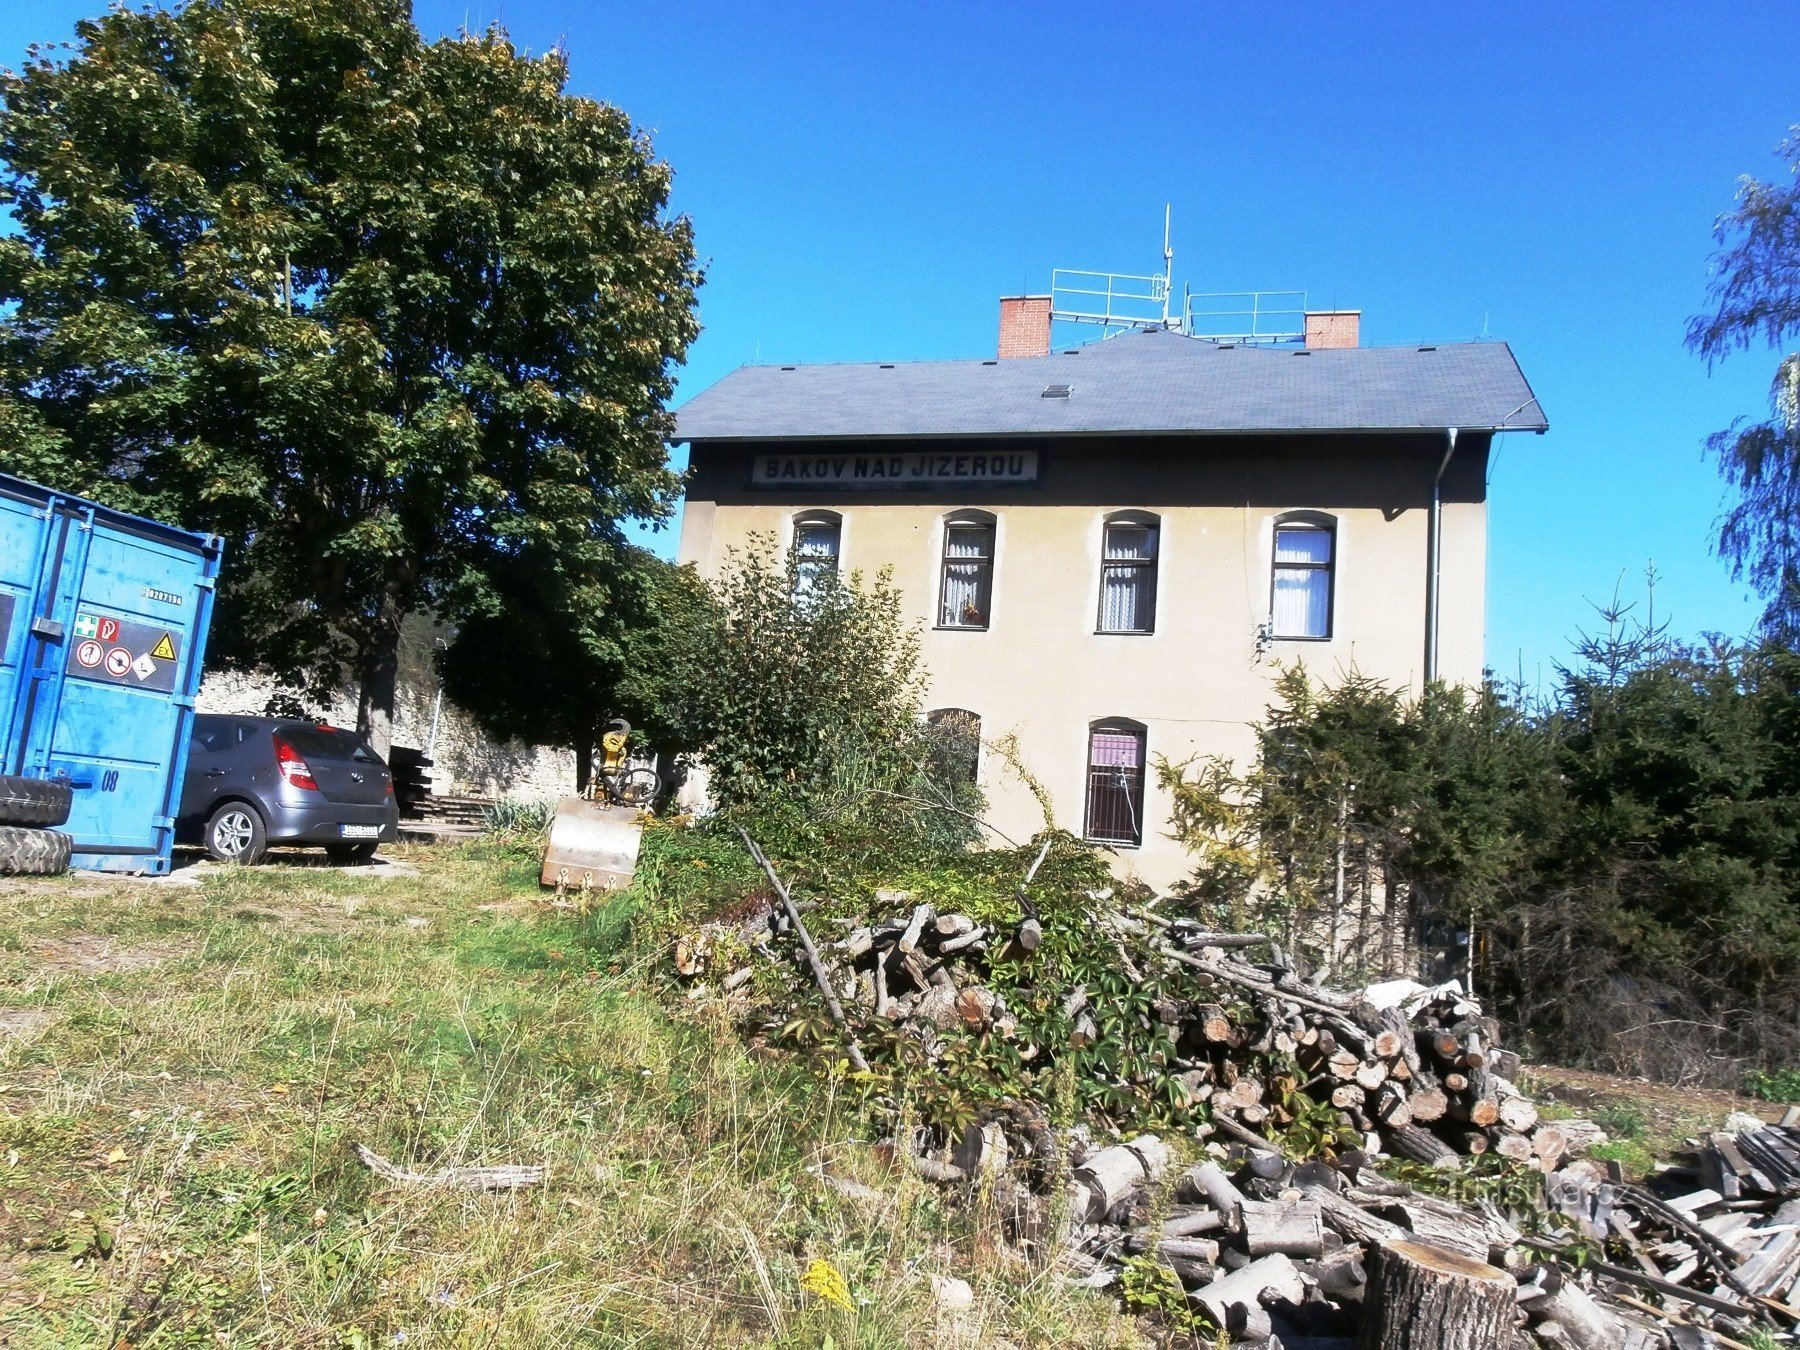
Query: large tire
x=638 y=787
x=236 y=834
x=33 y=801
x=34 y=853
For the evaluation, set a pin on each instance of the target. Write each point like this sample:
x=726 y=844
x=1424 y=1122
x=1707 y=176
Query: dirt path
x=1667 y=1111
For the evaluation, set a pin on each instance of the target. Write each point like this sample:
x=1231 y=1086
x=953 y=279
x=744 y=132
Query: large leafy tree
x=389 y=315
x=550 y=663
x=1756 y=288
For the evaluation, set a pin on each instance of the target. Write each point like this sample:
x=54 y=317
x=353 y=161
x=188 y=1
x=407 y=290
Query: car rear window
x=327 y=743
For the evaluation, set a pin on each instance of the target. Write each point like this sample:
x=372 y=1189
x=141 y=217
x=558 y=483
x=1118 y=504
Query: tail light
x=292 y=765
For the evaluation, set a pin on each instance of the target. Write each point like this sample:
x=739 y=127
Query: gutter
x=1434 y=560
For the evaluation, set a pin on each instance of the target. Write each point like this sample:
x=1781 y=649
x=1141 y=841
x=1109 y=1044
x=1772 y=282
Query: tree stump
x=1423 y=1298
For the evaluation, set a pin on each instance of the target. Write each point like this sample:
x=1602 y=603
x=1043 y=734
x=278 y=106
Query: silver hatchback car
x=256 y=781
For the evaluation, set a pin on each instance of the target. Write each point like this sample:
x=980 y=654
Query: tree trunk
x=1423 y=1298
x=380 y=678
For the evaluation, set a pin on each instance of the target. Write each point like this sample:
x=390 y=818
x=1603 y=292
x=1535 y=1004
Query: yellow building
x=1112 y=548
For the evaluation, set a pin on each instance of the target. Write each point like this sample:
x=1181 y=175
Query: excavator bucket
x=592 y=846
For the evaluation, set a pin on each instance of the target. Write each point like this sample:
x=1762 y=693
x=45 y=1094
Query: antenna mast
x=1120 y=301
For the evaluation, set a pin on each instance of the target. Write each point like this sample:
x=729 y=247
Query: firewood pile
x=1335 y=1254
x=1417 y=1072
x=1316 y=1253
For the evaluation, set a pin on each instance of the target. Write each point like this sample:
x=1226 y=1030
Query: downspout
x=1435 y=529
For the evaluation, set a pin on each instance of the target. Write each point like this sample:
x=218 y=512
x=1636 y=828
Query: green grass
x=175 y=1128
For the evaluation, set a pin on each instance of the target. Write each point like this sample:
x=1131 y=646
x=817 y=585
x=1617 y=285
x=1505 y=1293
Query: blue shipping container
x=103 y=622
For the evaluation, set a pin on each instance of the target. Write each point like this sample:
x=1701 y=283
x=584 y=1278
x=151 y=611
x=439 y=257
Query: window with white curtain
x=967 y=590
x=816 y=540
x=1300 y=601
x=1128 y=576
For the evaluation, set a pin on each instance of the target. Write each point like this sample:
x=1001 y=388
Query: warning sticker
x=112 y=650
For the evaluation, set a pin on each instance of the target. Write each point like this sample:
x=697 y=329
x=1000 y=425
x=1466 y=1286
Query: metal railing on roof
x=1246 y=316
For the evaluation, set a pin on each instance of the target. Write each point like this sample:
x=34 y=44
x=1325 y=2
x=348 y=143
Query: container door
x=30 y=539
x=129 y=666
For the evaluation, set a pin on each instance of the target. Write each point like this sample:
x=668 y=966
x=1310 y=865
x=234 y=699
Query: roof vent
x=787 y=367
x=1057 y=391
x=885 y=365
x=1301 y=351
x=990 y=363
x=1428 y=349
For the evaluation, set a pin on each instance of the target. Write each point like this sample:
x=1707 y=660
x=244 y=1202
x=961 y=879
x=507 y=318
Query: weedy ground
x=184 y=1067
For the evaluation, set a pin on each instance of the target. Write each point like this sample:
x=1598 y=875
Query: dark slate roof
x=1140 y=382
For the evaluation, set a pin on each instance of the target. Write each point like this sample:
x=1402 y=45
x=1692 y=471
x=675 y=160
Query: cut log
x=974 y=937
x=1582 y=1135
x=922 y=915
x=1549 y=1145
x=1428 y=1104
x=1514 y=1146
x=1421 y=1298
x=1585 y=1324
x=1193 y=1222
x=1370 y=1075
x=1409 y=1141
x=1114 y=1173
x=1209 y=1179
x=1293 y=1227
x=1518 y=1114
x=1215 y=1026
x=1247 y=1091
x=1236 y=1299
x=953 y=925
x=1482 y=1111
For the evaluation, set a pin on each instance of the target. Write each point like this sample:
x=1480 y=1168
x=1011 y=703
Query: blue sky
x=866 y=179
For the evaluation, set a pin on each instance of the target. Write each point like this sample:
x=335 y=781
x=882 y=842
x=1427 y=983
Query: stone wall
x=465 y=761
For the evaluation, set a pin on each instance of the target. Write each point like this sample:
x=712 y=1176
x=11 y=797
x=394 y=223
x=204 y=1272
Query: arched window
x=1302 y=576
x=966 y=590
x=1115 y=782
x=817 y=535
x=953 y=745
x=1128 y=573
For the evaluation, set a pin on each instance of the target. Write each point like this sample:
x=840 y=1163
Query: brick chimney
x=1024 y=326
x=1328 y=328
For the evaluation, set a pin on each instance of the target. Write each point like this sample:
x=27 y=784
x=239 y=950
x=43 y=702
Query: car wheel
x=236 y=834
x=33 y=801
x=33 y=853
x=346 y=854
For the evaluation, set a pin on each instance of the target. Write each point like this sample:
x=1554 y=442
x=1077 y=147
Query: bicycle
x=617 y=782
x=627 y=785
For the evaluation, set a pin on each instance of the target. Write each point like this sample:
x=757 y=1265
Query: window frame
x=1319 y=523
x=965 y=520
x=805 y=566
x=1134 y=794
x=1144 y=567
x=966 y=722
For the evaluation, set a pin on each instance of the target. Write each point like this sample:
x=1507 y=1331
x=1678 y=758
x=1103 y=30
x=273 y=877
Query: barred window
x=1115 y=783
x=965 y=595
x=1128 y=575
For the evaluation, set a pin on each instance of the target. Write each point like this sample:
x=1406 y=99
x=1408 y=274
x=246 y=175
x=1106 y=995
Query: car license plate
x=360 y=831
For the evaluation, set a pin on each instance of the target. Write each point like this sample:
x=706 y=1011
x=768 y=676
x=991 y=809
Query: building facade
x=1112 y=549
